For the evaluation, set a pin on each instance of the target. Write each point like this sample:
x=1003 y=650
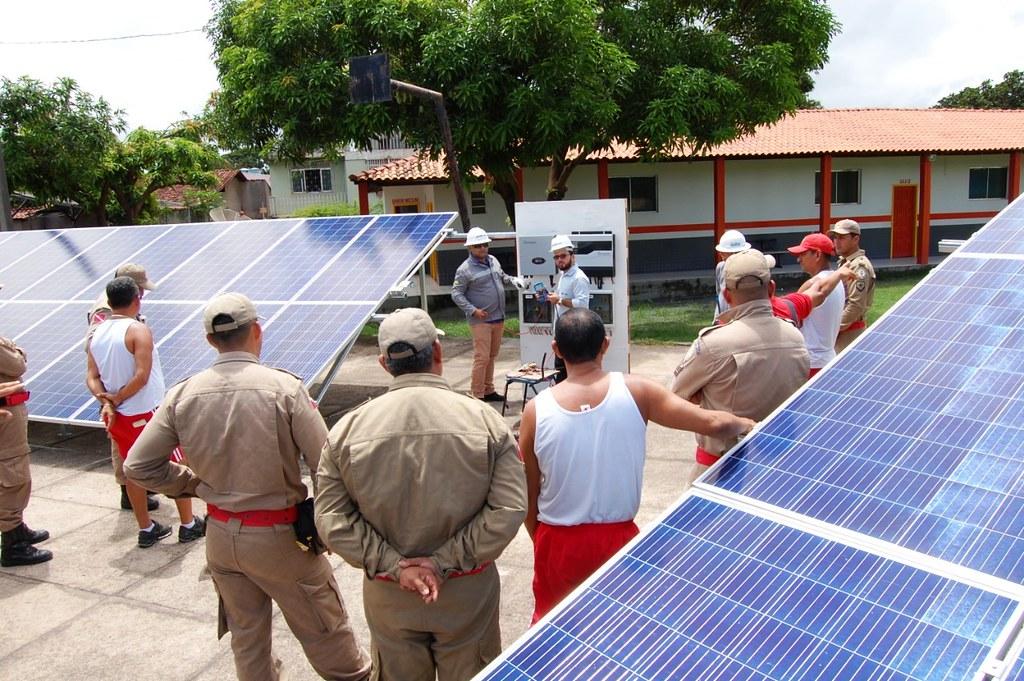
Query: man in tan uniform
x=860 y=292
x=422 y=489
x=747 y=366
x=245 y=427
x=17 y=542
x=99 y=312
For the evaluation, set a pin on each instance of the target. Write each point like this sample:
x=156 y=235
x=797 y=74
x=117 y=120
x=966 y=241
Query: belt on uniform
x=861 y=324
x=450 y=575
x=283 y=516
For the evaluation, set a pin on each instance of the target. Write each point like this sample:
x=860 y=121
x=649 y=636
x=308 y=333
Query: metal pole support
x=449 y=146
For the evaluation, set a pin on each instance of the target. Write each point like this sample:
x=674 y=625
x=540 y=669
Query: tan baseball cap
x=411 y=326
x=136 y=272
x=234 y=305
x=747 y=269
x=845 y=227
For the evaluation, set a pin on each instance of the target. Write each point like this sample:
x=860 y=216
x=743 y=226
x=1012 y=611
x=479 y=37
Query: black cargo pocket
x=325 y=604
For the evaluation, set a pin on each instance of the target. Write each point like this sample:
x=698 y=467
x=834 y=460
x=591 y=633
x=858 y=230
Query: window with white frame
x=987 y=183
x=479 y=202
x=641 y=193
x=845 y=186
x=311 y=180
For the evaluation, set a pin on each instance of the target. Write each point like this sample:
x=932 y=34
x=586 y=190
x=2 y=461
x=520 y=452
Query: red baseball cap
x=814 y=242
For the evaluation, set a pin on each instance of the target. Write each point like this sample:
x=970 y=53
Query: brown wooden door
x=904 y=220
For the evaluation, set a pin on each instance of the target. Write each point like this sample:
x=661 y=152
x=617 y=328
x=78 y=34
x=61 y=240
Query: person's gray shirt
x=481 y=285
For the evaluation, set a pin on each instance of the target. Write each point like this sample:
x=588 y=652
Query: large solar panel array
x=872 y=528
x=315 y=281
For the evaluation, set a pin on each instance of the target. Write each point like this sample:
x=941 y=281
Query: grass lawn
x=656 y=324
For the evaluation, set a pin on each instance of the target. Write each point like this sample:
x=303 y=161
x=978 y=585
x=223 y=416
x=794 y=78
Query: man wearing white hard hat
x=573 y=289
x=732 y=241
x=479 y=290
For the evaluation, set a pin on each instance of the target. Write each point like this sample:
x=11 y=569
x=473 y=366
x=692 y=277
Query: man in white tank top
x=583 y=443
x=822 y=326
x=125 y=376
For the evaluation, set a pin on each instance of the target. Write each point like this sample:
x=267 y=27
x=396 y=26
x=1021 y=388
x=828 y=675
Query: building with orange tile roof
x=909 y=176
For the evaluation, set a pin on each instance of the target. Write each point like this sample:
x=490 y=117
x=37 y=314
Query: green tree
x=146 y=161
x=526 y=82
x=61 y=144
x=1006 y=94
x=55 y=138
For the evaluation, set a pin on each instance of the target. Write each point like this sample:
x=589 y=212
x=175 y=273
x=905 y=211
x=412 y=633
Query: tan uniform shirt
x=13 y=431
x=860 y=293
x=242 y=426
x=420 y=471
x=747 y=366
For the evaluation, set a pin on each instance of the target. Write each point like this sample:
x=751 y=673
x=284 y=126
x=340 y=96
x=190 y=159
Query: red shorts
x=706 y=458
x=564 y=556
x=812 y=372
x=126 y=430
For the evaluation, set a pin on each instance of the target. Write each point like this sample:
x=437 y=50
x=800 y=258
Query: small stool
x=528 y=381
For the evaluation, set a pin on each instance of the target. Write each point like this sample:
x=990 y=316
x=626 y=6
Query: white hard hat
x=561 y=241
x=476 y=236
x=770 y=259
x=732 y=241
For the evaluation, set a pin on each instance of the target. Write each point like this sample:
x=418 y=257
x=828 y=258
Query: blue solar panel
x=385 y=253
x=217 y=263
x=22 y=245
x=275 y=262
x=78 y=275
x=1002 y=234
x=300 y=256
x=913 y=435
x=716 y=593
x=1016 y=672
x=321 y=328
x=56 y=253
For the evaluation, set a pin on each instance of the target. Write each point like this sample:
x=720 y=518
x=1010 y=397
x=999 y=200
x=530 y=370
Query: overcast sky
x=890 y=53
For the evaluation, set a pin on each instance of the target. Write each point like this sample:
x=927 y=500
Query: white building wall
x=950 y=182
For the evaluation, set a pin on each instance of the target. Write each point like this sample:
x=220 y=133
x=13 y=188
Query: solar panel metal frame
x=84 y=297
x=1006 y=656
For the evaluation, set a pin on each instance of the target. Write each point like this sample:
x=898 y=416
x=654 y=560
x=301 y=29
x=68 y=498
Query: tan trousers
x=486 y=345
x=454 y=637
x=846 y=337
x=252 y=565
x=15 y=488
x=117 y=462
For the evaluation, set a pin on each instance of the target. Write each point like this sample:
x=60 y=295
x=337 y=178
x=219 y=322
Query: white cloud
x=910 y=53
x=891 y=53
x=152 y=79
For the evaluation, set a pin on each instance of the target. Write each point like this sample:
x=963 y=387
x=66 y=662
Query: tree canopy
x=1006 y=94
x=62 y=144
x=55 y=138
x=527 y=82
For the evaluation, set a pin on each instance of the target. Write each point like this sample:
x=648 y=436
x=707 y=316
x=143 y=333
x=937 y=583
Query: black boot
x=33 y=536
x=126 y=504
x=15 y=550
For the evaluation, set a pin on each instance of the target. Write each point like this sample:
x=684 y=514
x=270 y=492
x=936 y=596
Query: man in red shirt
x=795 y=307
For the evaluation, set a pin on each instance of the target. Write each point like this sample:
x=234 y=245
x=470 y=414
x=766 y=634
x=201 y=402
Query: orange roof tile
x=810 y=132
x=417 y=168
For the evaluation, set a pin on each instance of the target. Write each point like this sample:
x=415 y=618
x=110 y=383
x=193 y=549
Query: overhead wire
x=99 y=40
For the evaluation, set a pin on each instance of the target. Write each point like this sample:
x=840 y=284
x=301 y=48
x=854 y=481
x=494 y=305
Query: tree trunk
x=559 y=172
x=504 y=185
x=102 y=220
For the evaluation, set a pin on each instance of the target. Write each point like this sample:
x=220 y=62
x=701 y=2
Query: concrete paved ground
x=104 y=609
